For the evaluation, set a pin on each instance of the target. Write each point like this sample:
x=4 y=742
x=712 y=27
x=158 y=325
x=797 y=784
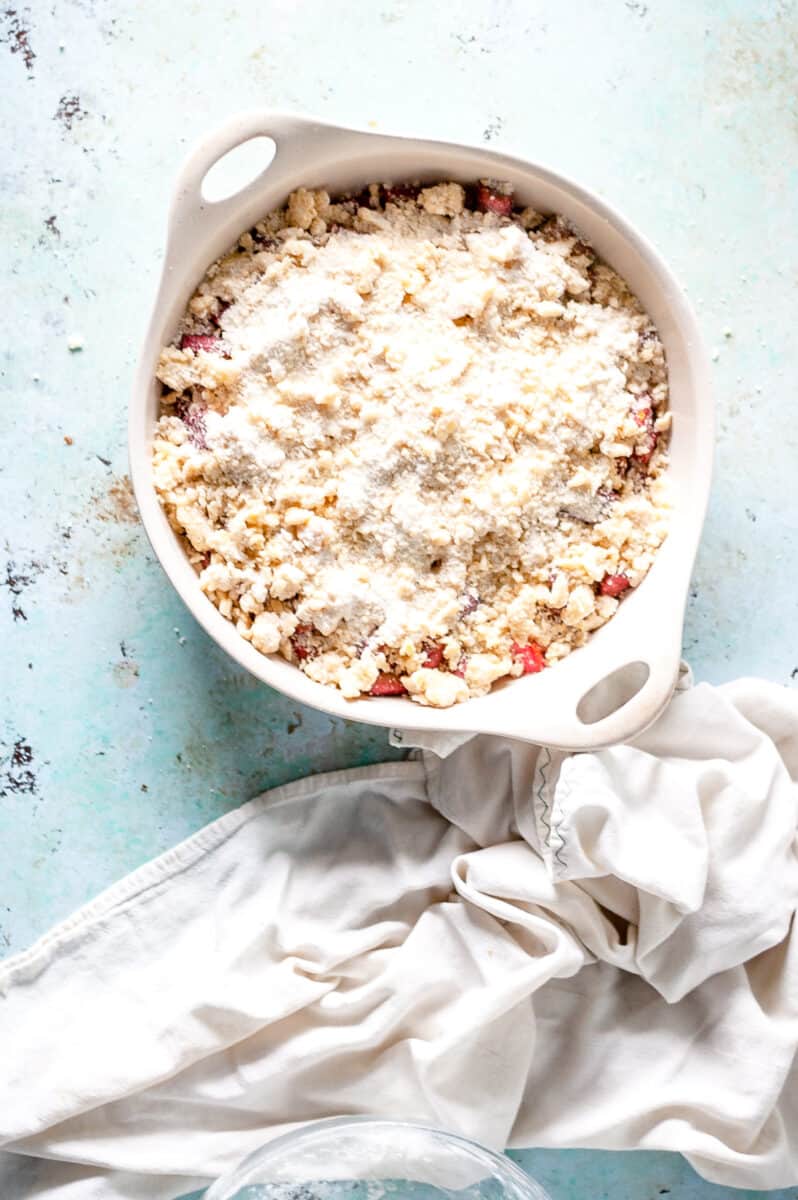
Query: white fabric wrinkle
x=527 y=947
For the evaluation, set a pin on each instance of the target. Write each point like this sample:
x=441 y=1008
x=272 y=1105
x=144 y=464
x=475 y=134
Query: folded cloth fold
x=528 y=947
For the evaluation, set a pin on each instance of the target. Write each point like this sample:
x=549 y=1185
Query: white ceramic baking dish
x=612 y=688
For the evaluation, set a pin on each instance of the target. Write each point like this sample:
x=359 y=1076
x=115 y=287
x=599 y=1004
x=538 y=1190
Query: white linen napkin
x=528 y=947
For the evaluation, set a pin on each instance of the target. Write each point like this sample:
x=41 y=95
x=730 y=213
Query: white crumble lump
x=415 y=441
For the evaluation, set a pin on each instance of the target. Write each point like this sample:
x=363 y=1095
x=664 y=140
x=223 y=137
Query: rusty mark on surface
x=114 y=503
x=17 y=775
x=121 y=502
x=69 y=111
x=17 y=38
x=110 y=515
x=753 y=61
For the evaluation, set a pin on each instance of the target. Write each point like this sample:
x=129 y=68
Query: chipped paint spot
x=17 y=38
x=22 y=754
x=17 y=579
x=17 y=775
x=69 y=111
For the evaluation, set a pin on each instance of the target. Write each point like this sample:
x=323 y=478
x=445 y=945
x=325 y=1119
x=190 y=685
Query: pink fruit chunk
x=399 y=191
x=460 y=669
x=643 y=455
x=646 y=447
x=531 y=657
x=202 y=341
x=192 y=414
x=494 y=197
x=300 y=640
x=387 y=685
x=434 y=655
x=614 y=585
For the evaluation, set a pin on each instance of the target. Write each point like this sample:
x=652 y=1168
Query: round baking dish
x=609 y=690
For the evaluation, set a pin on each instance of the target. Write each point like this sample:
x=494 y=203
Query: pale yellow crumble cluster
x=413 y=446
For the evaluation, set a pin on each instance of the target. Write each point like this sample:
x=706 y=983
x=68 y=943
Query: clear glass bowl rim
x=502 y=1167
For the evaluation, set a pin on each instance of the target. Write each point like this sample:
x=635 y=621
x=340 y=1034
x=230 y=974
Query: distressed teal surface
x=122 y=728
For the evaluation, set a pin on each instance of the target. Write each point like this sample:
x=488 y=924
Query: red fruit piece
x=387 y=685
x=531 y=657
x=400 y=191
x=202 y=341
x=434 y=655
x=614 y=585
x=460 y=669
x=192 y=414
x=300 y=640
x=494 y=197
x=645 y=449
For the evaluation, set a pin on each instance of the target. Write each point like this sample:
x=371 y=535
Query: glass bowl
x=354 y=1158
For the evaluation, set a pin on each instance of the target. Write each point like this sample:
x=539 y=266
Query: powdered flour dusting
x=414 y=446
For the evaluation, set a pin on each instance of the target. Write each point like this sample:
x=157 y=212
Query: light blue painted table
x=123 y=729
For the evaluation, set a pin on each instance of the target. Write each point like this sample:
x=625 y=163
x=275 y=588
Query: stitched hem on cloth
x=172 y=862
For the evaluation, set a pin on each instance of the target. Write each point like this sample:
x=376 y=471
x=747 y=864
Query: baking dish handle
x=191 y=215
x=631 y=680
x=650 y=680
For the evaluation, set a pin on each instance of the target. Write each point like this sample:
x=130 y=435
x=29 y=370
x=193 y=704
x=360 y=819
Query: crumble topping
x=414 y=440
